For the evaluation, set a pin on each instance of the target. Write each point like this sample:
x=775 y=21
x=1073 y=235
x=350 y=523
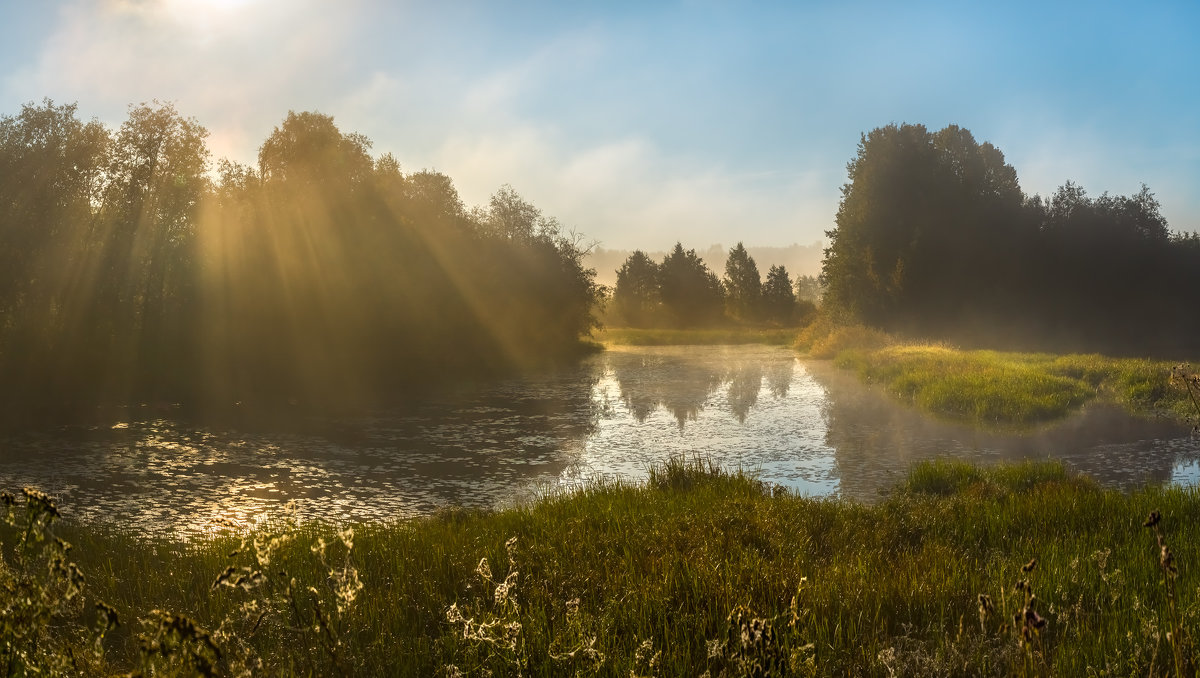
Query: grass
x=993 y=388
x=630 y=336
x=699 y=570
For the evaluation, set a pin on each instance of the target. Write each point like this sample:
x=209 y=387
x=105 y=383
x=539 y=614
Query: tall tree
x=928 y=227
x=743 y=285
x=51 y=174
x=636 y=296
x=690 y=292
x=157 y=178
x=779 y=301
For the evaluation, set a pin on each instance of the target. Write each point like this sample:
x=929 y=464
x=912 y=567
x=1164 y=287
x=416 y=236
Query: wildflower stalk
x=1166 y=562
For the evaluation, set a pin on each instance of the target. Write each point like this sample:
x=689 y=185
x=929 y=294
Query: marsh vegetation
x=961 y=570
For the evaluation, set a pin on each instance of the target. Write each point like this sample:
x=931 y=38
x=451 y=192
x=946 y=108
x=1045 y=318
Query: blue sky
x=643 y=123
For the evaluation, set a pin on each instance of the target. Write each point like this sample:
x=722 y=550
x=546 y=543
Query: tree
x=743 y=285
x=145 y=242
x=309 y=152
x=636 y=296
x=809 y=289
x=51 y=174
x=779 y=301
x=690 y=292
x=929 y=226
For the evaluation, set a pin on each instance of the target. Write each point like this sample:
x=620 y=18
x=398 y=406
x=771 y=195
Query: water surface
x=805 y=425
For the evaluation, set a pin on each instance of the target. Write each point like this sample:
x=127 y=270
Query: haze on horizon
x=642 y=124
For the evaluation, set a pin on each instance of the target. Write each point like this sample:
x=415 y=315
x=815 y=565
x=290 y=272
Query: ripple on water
x=806 y=426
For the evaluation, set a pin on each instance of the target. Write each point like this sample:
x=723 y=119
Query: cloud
x=236 y=67
x=628 y=193
x=525 y=117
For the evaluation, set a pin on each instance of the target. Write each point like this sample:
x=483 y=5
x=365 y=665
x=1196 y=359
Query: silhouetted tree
x=742 y=285
x=636 y=296
x=934 y=236
x=921 y=210
x=779 y=301
x=322 y=277
x=690 y=292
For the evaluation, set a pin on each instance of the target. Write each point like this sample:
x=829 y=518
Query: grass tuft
x=699 y=570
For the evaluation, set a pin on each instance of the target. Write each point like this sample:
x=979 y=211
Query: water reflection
x=652 y=379
x=470 y=448
x=805 y=425
x=779 y=377
x=745 y=381
x=876 y=441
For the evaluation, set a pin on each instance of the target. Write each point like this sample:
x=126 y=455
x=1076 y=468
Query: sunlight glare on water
x=805 y=425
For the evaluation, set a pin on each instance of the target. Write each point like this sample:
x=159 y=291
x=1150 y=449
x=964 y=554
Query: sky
x=643 y=123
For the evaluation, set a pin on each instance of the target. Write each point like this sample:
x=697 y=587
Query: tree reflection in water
x=652 y=380
x=745 y=381
x=819 y=431
x=876 y=440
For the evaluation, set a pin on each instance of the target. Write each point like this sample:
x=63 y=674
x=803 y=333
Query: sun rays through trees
x=138 y=271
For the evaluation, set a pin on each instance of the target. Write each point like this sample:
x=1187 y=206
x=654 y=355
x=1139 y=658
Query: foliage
x=43 y=625
x=322 y=278
x=934 y=237
x=742 y=285
x=919 y=226
x=700 y=569
x=690 y=292
x=636 y=295
x=778 y=300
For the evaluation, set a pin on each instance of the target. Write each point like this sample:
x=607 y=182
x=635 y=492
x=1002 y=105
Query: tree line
x=681 y=291
x=136 y=270
x=935 y=237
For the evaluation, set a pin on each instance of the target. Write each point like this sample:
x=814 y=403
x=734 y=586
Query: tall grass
x=995 y=388
x=698 y=570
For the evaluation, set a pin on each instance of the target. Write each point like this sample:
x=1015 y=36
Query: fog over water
x=805 y=425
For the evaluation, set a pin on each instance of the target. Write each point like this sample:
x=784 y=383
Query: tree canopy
x=136 y=271
x=934 y=236
x=742 y=285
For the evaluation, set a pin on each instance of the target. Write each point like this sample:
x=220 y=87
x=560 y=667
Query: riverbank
x=697 y=570
x=996 y=388
x=633 y=336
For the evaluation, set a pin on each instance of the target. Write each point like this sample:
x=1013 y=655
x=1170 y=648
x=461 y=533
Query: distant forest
x=934 y=237
x=682 y=291
x=136 y=271
x=796 y=258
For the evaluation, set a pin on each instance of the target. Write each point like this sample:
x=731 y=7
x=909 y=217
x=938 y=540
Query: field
x=1017 y=570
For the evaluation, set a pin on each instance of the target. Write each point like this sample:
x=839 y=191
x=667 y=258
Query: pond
x=802 y=424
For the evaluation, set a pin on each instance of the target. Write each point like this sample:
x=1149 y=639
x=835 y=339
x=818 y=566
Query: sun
x=207 y=17
x=206 y=8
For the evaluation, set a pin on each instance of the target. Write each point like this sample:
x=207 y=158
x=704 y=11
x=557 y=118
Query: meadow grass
x=698 y=570
x=996 y=388
x=631 y=336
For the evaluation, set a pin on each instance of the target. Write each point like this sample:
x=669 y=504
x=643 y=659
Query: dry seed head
x=985 y=604
x=484 y=570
